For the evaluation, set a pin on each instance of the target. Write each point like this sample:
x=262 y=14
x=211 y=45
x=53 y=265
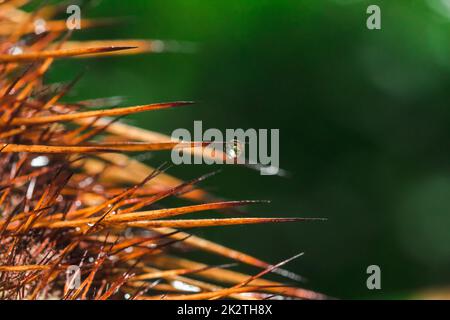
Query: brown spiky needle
x=67 y=199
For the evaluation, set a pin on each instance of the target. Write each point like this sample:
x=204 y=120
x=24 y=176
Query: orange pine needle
x=97 y=113
x=99 y=148
x=33 y=56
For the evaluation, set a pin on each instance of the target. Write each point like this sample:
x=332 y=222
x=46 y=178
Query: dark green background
x=363 y=116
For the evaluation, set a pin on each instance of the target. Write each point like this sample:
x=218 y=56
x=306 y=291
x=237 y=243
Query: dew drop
x=184 y=286
x=86 y=182
x=98 y=188
x=40 y=26
x=129 y=250
x=30 y=189
x=40 y=161
x=127 y=296
x=15 y=50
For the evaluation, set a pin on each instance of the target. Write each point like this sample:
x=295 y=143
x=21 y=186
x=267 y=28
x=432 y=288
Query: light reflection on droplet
x=184 y=286
x=98 y=188
x=15 y=50
x=86 y=182
x=129 y=250
x=40 y=26
x=40 y=161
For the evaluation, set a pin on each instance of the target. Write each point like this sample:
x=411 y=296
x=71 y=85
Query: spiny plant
x=70 y=196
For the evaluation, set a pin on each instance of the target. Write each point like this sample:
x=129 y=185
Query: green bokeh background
x=363 y=116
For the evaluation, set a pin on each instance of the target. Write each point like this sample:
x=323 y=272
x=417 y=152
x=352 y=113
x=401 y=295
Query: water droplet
x=15 y=50
x=129 y=250
x=184 y=286
x=91 y=259
x=90 y=224
x=40 y=26
x=127 y=296
x=98 y=188
x=84 y=183
x=40 y=161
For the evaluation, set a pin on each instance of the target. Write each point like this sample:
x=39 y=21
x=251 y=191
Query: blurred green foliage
x=364 y=119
